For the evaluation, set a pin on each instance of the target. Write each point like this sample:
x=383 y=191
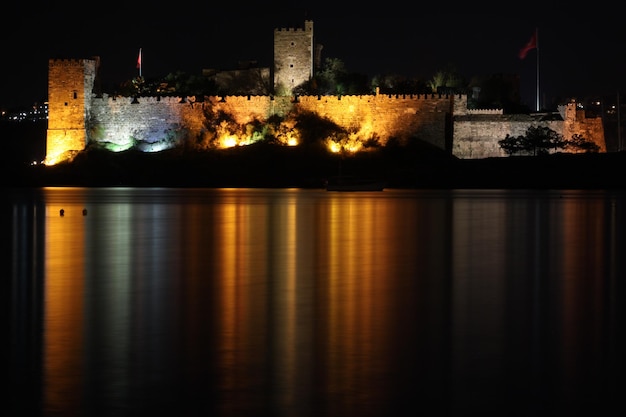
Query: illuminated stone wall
x=476 y=133
x=152 y=123
x=123 y=122
x=576 y=123
x=387 y=116
x=155 y=123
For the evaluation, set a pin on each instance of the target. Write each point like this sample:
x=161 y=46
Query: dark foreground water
x=279 y=302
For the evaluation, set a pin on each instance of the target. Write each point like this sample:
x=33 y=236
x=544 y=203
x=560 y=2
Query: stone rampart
x=476 y=135
x=385 y=116
x=576 y=123
x=156 y=122
x=123 y=121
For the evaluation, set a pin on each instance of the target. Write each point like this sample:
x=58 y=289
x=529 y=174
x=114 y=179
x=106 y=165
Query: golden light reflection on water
x=64 y=305
x=301 y=292
x=356 y=293
x=283 y=297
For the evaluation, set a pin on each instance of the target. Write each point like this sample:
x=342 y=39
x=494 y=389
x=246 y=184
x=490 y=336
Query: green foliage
x=96 y=131
x=281 y=90
x=127 y=89
x=139 y=86
x=176 y=83
x=446 y=78
x=398 y=84
x=180 y=83
x=335 y=79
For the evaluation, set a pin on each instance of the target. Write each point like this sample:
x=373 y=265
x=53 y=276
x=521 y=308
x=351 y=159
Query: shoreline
x=280 y=167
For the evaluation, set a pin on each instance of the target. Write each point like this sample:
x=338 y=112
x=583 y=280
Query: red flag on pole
x=139 y=59
x=532 y=44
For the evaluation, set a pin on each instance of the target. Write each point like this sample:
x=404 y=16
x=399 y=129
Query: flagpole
x=619 y=125
x=533 y=43
x=537 y=50
x=139 y=62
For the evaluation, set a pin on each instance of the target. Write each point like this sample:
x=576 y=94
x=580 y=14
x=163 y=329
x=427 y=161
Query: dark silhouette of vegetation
x=541 y=140
x=313 y=127
x=179 y=84
x=499 y=91
x=578 y=144
x=334 y=79
x=447 y=80
x=399 y=84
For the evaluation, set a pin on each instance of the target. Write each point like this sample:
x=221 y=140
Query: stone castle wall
x=383 y=117
x=162 y=122
x=477 y=136
x=476 y=133
x=77 y=117
x=576 y=123
x=123 y=121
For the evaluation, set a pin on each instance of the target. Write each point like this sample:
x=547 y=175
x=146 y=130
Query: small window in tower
x=75 y=95
x=290 y=65
x=293 y=43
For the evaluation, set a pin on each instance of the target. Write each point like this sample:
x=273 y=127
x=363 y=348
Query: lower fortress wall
x=477 y=135
x=156 y=123
x=383 y=117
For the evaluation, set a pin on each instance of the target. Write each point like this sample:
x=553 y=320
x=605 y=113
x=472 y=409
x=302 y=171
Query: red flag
x=532 y=44
x=139 y=59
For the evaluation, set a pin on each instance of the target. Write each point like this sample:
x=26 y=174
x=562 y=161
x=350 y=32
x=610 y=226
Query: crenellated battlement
x=308 y=27
x=61 y=62
x=289 y=30
x=484 y=111
x=358 y=100
x=137 y=100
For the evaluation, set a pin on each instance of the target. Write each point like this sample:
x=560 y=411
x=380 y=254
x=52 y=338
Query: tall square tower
x=70 y=85
x=293 y=57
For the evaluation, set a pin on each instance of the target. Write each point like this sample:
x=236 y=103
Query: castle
x=78 y=117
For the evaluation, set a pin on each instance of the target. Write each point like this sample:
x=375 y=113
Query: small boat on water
x=349 y=183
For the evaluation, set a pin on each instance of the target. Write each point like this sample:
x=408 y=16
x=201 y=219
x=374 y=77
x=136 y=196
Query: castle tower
x=293 y=58
x=70 y=85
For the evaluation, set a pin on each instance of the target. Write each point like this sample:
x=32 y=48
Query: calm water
x=277 y=302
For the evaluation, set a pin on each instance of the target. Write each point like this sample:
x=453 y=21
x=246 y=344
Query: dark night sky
x=581 y=52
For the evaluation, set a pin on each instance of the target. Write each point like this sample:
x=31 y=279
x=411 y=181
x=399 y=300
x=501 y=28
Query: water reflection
x=301 y=302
